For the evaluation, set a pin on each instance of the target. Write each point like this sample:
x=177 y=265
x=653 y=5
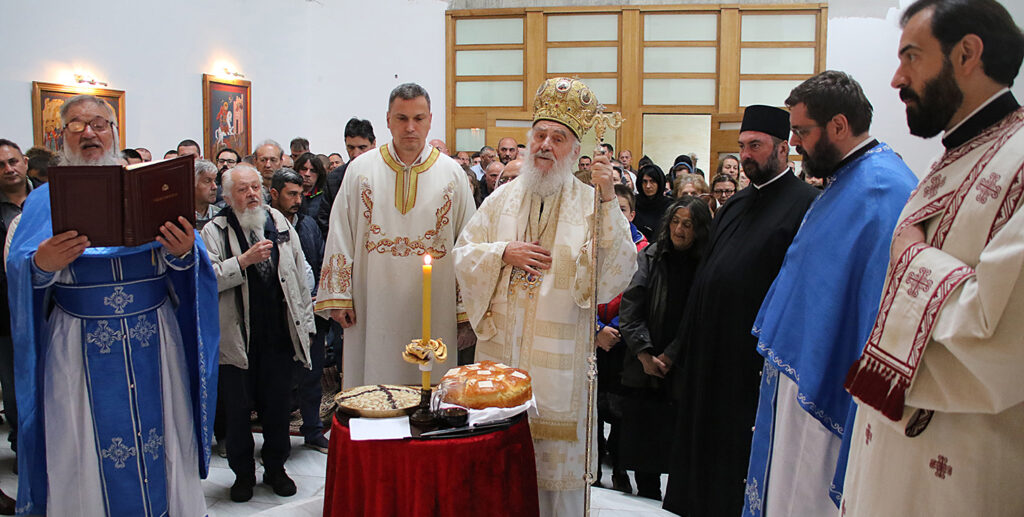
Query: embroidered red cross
x=987 y=188
x=867 y=435
x=934 y=185
x=918 y=281
x=941 y=466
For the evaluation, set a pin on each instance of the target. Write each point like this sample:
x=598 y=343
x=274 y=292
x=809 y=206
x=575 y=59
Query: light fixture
x=232 y=73
x=88 y=79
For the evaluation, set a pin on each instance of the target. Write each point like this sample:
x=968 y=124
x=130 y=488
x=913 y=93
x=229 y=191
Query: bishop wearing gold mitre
x=523 y=264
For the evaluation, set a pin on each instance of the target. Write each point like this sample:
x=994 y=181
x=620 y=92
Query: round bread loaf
x=486 y=384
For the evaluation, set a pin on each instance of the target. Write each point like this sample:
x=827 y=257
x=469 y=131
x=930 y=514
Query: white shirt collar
x=857 y=147
x=976 y=110
x=769 y=182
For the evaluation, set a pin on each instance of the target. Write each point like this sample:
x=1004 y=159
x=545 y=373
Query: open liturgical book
x=117 y=205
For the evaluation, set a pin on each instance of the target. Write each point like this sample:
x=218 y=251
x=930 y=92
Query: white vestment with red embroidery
x=940 y=422
x=386 y=217
x=544 y=324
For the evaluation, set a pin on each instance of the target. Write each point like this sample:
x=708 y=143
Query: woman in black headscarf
x=651 y=201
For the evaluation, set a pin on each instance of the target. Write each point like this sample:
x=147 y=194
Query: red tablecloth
x=493 y=474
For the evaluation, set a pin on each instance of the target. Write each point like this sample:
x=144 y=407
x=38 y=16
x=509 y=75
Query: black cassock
x=718 y=375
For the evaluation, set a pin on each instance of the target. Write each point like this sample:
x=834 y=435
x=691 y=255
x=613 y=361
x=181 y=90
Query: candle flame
x=426 y=259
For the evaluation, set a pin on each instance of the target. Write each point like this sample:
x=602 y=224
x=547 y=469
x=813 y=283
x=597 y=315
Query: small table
x=492 y=474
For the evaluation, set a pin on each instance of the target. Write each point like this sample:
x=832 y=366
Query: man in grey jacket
x=266 y=318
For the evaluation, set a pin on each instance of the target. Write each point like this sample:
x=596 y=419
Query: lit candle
x=426 y=300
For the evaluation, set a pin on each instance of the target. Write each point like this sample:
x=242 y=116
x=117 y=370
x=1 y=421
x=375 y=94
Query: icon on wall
x=227 y=115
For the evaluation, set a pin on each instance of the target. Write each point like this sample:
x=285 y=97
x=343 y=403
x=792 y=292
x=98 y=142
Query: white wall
x=313 y=65
x=866 y=49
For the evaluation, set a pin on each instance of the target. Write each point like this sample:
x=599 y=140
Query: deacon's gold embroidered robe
x=386 y=217
x=544 y=325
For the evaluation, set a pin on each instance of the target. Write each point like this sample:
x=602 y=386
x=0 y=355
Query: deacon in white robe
x=388 y=214
x=939 y=391
x=524 y=269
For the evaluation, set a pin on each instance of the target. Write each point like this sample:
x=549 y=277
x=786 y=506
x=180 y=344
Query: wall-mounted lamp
x=88 y=79
x=231 y=73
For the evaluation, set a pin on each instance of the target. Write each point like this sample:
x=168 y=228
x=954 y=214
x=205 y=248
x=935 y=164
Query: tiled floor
x=308 y=468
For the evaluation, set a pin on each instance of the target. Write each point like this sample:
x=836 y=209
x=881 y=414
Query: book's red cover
x=118 y=206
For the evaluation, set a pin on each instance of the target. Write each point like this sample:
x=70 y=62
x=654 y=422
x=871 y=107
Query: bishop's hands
x=602 y=178
x=177 y=240
x=906 y=238
x=256 y=253
x=528 y=256
x=58 y=251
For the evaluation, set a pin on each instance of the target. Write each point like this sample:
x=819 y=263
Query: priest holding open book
x=117 y=353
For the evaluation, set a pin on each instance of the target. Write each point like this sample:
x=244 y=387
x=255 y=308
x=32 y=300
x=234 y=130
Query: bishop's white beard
x=252 y=220
x=546 y=184
x=67 y=157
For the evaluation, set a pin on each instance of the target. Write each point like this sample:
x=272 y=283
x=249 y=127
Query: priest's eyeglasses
x=98 y=125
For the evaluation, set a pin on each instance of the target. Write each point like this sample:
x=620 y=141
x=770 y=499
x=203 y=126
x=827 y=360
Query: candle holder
x=423 y=418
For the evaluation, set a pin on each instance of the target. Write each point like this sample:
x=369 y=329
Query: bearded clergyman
x=523 y=264
x=940 y=402
x=116 y=356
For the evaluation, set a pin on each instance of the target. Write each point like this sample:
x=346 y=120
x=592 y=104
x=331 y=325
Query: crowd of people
x=838 y=341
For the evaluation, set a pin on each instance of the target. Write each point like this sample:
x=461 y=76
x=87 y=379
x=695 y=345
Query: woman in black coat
x=648 y=319
x=651 y=201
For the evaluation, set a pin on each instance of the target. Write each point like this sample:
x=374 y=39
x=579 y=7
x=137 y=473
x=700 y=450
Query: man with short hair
x=206 y=192
x=520 y=152
x=226 y=159
x=403 y=201
x=525 y=276
x=487 y=155
x=144 y=153
x=170 y=154
x=491 y=177
x=334 y=161
x=584 y=163
x=116 y=400
x=509 y=172
x=298 y=146
x=938 y=387
x=475 y=160
x=819 y=311
x=440 y=145
x=507 y=150
x=268 y=161
x=14 y=188
x=131 y=156
x=189 y=147
x=462 y=157
x=626 y=159
x=718 y=365
x=359 y=139
x=265 y=324
x=286 y=195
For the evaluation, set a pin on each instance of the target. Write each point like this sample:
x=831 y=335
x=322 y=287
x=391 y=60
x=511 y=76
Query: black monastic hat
x=766 y=119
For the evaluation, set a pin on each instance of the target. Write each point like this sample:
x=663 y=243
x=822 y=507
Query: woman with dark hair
x=648 y=318
x=651 y=201
x=314 y=176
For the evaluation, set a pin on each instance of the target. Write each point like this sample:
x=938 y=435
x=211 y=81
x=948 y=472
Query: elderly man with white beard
x=115 y=382
x=266 y=319
x=523 y=265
